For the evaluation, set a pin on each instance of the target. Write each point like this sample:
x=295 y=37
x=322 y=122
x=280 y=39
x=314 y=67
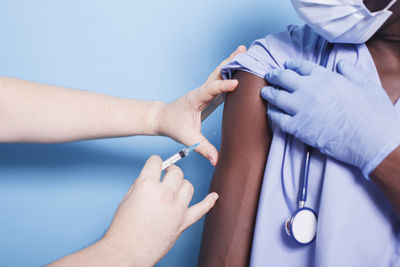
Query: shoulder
x=272 y=51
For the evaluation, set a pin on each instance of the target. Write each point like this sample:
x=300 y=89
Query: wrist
x=117 y=252
x=387 y=166
x=112 y=254
x=380 y=155
x=154 y=117
x=99 y=254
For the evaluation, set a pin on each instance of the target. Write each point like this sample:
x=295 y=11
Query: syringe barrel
x=171 y=160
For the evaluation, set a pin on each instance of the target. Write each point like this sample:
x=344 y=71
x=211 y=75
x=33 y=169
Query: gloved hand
x=344 y=115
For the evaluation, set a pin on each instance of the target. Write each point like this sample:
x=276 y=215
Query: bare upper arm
x=245 y=114
x=245 y=144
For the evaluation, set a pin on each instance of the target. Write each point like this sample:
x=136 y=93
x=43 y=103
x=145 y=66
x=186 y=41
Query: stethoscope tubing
x=303 y=187
x=306 y=173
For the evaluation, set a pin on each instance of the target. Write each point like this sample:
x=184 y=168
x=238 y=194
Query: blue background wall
x=56 y=199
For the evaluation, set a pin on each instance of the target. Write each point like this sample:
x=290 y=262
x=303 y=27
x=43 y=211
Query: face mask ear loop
x=390 y=4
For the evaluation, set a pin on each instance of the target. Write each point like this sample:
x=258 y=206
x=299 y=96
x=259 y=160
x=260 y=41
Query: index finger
x=152 y=168
x=287 y=79
x=303 y=67
x=208 y=92
x=200 y=209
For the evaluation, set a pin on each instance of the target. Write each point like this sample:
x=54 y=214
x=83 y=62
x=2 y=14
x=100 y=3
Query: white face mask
x=342 y=21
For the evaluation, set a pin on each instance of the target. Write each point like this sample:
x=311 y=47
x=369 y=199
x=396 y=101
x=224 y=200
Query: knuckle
x=216 y=85
x=206 y=207
x=312 y=98
x=178 y=172
x=189 y=186
x=284 y=75
x=277 y=76
x=145 y=182
x=298 y=62
x=167 y=194
x=175 y=171
x=279 y=96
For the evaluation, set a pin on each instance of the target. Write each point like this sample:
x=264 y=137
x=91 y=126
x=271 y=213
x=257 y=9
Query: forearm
x=95 y=255
x=228 y=229
x=98 y=254
x=33 y=112
x=387 y=177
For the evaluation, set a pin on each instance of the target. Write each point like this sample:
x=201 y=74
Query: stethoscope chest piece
x=302 y=226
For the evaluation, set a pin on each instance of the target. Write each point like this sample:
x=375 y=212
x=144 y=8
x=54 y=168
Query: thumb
x=209 y=91
x=207 y=150
x=215 y=75
x=200 y=209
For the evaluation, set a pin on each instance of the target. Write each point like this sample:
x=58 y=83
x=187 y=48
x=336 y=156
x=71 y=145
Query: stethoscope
x=302 y=225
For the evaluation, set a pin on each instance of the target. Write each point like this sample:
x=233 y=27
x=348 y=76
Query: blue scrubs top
x=356 y=224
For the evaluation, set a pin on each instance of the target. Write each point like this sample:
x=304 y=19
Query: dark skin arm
x=246 y=138
x=387 y=177
x=229 y=226
x=387 y=59
x=385 y=50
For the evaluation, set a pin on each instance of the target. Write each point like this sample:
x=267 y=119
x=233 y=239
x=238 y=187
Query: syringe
x=178 y=156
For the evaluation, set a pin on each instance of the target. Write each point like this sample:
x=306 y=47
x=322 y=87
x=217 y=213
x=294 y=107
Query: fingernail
x=242 y=48
x=215 y=196
x=155 y=157
x=267 y=93
x=288 y=64
x=263 y=91
x=342 y=65
x=269 y=75
x=272 y=73
x=234 y=82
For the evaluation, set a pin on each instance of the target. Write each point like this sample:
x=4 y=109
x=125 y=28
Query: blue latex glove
x=344 y=115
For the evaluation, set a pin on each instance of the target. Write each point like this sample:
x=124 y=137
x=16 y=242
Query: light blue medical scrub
x=356 y=224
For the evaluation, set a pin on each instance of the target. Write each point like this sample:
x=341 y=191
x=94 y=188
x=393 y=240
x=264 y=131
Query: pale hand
x=181 y=119
x=152 y=216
